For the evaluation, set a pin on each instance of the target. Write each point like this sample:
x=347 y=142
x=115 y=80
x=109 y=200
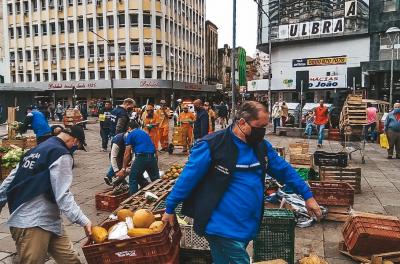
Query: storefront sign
x=149 y=84
x=78 y=85
x=313 y=28
x=322 y=61
x=327 y=82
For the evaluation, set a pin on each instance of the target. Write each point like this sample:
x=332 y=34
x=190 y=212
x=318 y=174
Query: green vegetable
x=12 y=158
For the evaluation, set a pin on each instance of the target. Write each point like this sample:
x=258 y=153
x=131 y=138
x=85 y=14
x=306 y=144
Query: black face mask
x=256 y=135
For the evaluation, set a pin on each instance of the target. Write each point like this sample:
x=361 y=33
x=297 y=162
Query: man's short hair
x=129 y=101
x=107 y=102
x=249 y=111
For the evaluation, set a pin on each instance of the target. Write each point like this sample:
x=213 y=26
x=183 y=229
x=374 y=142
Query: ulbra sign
x=327 y=82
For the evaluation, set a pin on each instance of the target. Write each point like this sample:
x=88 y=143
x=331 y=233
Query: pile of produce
x=131 y=224
x=173 y=172
x=12 y=158
x=4 y=150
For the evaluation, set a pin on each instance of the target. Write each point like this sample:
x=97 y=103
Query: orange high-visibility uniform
x=163 y=128
x=186 y=120
x=211 y=118
x=153 y=132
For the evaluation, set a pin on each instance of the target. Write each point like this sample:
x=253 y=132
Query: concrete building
x=383 y=15
x=3 y=64
x=90 y=44
x=224 y=67
x=317 y=46
x=211 y=60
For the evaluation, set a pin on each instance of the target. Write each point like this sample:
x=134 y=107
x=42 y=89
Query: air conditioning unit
x=60 y=8
x=53 y=62
x=12 y=64
x=20 y=67
x=36 y=63
x=122 y=57
x=100 y=59
x=91 y=60
x=111 y=58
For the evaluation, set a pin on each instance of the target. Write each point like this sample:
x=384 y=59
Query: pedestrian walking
x=392 y=130
x=284 y=113
x=36 y=121
x=59 y=111
x=321 y=114
x=276 y=116
x=201 y=124
x=223 y=115
x=222 y=184
x=211 y=117
x=84 y=113
x=120 y=116
x=151 y=122
x=164 y=114
x=36 y=192
x=105 y=125
x=310 y=118
x=139 y=142
x=372 y=118
x=186 y=120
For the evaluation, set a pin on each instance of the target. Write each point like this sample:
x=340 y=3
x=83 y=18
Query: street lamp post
x=233 y=55
x=259 y=4
x=395 y=32
x=109 y=67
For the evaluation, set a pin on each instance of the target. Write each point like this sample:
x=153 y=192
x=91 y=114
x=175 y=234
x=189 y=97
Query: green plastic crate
x=162 y=204
x=276 y=237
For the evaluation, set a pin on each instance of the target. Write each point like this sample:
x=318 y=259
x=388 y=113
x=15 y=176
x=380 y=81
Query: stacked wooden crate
x=354 y=112
x=72 y=116
x=299 y=154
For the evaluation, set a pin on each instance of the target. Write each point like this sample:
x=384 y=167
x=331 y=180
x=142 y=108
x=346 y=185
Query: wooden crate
x=301 y=159
x=21 y=143
x=30 y=142
x=338 y=213
x=394 y=257
x=351 y=175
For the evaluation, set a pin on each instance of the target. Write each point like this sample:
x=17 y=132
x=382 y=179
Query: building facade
x=317 y=48
x=211 y=60
x=224 y=67
x=383 y=15
x=90 y=40
x=3 y=64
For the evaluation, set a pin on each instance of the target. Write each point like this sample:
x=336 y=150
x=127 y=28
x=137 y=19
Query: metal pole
x=233 y=54
x=391 y=76
x=301 y=102
x=269 y=67
x=354 y=85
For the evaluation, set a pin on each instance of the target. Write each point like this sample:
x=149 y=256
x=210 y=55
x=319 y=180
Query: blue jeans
x=228 y=251
x=139 y=166
x=320 y=133
x=309 y=129
x=110 y=173
x=277 y=123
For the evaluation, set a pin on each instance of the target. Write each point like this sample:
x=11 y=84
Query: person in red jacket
x=321 y=114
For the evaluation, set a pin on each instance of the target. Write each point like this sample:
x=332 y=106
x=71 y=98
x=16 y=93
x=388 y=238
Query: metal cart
x=353 y=140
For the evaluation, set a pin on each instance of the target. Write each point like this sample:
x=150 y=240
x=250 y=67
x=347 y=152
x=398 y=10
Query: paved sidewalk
x=380 y=194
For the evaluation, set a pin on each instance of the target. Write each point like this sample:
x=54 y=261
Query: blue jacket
x=391 y=123
x=33 y=175
x=119 y=119
x=201 y=125
x=38 y=122
x=238 y=212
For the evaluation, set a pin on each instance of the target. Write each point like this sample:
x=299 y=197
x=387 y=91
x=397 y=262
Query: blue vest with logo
x=33 y=175
x=39 y=124
x=207 y=194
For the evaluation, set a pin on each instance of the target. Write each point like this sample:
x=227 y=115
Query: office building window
x=102 y=74
x=20 y=55
x=72 y=75
x=43 y=4
x=11 y=32
x=53 y=53
x=158 y=49
x=100 y=50
x=148 y=74
x=46 y=75
x=63 y=53
x=36 y=53
x=44 y=28
x=110 y=21
x=135 y=74
x=89 y=23
x=81 y=74
x=36 y=30
x=100 y=24
x=63 y=75
x=26 y=7
x=37 y=77
x=45 y=54
x=70 y=3
x=20 y=77
x=28 y=76
x=28 y=55
x=111 y=50
x=91 y=50
x=35 y=5
x=91 y=75
x=54 y=76
x=135 y=47
x=146 y=20
x=53 y=28
x=159 y=74
x=80 y=2
x=134 y=20
x=80 y=23
x=158 y=22
x=13 y=77
x=121 y=20
x=61 y=26
x=19 y=32
x=71 y=51
x=10 y=9
x=122 y=48
x=70 y=26
x=12 y=56
x=81 y=52
x=122 y=73
x=148 y=48
x=112 y=74
x=27 y=31
x=18 y=7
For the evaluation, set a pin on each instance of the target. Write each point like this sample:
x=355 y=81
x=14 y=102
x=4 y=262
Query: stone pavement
x=380 y=194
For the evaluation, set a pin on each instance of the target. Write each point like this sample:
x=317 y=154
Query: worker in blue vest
x=37 y=193
x=36 y=121
x=222 y=185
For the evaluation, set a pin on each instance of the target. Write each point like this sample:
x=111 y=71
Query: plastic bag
x=384 y=141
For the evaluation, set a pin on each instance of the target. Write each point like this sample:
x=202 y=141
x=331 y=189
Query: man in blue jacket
x=120 y=116
x=201 y=124
x=37 y=121
x=222 y=185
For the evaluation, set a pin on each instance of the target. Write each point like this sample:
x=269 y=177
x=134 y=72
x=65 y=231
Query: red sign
x=149 y=84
